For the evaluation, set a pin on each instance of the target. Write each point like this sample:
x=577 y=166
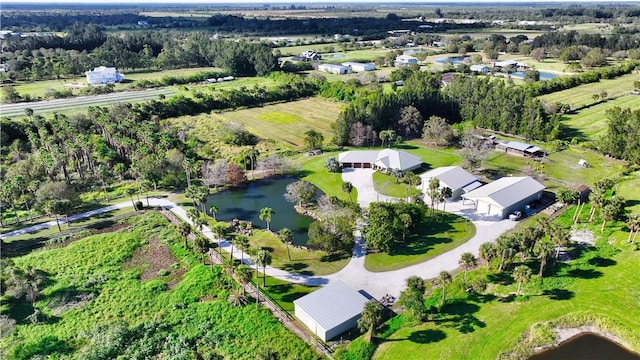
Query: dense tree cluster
x=334 y=232
x=389 y=223
x=623 y=132
x=566 y=39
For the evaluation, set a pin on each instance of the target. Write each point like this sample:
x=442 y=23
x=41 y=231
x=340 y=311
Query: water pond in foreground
x=587 y=346
x=245 y=202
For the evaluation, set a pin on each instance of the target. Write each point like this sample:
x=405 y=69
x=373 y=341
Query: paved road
x=376 y=284
x=81 y=102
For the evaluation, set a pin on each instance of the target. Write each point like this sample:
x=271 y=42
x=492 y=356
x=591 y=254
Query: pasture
x=583 y=95
x=590 y=123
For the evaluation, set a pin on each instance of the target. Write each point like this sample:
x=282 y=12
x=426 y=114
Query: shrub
x=163 y=272
x=332 y=165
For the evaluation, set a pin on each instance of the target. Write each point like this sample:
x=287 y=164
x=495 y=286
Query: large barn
x=384 y=160
x=505 y=195
x=331 y=310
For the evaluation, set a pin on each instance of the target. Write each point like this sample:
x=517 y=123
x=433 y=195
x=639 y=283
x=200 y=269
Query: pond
x=452 y=59
x=587 y=346
x=543 y=75
x=244 y=203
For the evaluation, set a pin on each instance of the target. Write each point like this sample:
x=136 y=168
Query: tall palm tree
x=348 y=188
x=219 y=231
x=184 y=229
x=445 y=193
x=633 y=224
x=200 y=246
x=130 y=192
x=405 y=219
x=213 y=210
x=202 y=193
x=263 y=258
x=242 y=243
x=521 y=274
x=371 y=316
x=467 y=261
x=433 y=192
x=286 y=236
x=20 y=183
x=543 y=249
x=442 y=280
x=265 y=214
x=559 y=236
x=243 y=275
x=488 y=252
x=252 y=154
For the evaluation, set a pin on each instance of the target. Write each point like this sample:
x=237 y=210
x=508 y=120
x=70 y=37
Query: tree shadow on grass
x=293 y=296
x=482 y=298
x=602 y=262
x=502 y=278
x=428 y=235
x=459 y=315
x=559 y=294
x=280 y=288
x=334 y=257
x=297 y=268
x=585 y=273
x=427 y=336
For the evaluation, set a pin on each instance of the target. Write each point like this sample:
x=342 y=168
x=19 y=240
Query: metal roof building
x=384 y=160
x=331 y=310
x=505 y=195
x=454 y=177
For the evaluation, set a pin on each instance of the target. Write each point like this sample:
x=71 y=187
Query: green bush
x=163 y=272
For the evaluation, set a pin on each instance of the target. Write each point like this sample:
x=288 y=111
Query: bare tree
x=474 y=149
x=214 y=174
x=410 y=120
x=437 y=130
x=358 y=134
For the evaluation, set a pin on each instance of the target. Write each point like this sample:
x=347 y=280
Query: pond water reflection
x=245 y=202
x=587 y=346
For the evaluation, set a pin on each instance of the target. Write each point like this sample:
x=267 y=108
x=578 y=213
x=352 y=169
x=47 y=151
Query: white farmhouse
x=103 y=75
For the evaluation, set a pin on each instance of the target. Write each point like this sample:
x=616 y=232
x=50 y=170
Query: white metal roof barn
x=331 y=310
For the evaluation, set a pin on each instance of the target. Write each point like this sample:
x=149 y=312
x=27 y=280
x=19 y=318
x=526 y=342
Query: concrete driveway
x=362 y=180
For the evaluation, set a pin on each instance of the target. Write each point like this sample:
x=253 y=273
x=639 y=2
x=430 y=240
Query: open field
x=628 y=190
x=589 y=28
x=433 y=239
x=600 y=285
x=590 y=123
x=583 y=95
x=286 y=123
x=312 y=170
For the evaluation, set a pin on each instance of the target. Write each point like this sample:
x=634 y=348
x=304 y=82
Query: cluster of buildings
x=103 y=75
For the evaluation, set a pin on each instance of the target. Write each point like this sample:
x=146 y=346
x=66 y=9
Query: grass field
x=599 y=287
x=583 y=95
x=433 y=239
x=590 y=123
x=286 y=123
x=312 y=170
x=111 y=285
x=628 y=189
x=304 y=262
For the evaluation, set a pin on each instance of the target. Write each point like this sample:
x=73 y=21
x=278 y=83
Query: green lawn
x=304 y=262
x=599 y=288
x=94 y=289
x=590 y=123
x=582 y=95
x=386 y=184
x=435 y=238
x=283 y=292
x=312 y=170
x=629 y=189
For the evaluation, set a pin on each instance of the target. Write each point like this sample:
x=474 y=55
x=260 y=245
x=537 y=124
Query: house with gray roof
x=454 y=177
x=331 y=310
x=384 y=160
x=505 y=195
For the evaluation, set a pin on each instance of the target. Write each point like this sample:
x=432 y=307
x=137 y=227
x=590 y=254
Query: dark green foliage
x=623 y=132
x=383 y=233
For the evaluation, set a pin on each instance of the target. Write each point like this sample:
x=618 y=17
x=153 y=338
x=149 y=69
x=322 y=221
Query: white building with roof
x=331 y=310
x=384 y=160
x=103 y=75
x=505 y=195
x=480 y=68
x=454 y=177
x=359 y=67
x=520 y=148
x=333 y=69
x=404 y=60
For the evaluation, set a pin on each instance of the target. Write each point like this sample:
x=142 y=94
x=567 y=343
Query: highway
x=82 y=102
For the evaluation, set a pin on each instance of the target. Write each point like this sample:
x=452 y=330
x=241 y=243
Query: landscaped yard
x=435 y=237
x=312 y=170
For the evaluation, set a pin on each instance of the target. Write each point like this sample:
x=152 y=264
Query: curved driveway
x=376 y=284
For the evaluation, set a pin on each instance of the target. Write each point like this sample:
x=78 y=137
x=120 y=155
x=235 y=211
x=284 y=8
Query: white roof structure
x=453 y=177
x=332 y=305
x=358 y=156
x=506 y=191
x=524 y=147
x=394 y=159
x=406 y=58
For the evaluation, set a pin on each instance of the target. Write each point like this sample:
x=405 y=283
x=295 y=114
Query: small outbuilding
x=505 y=195
x=331 y=310
x=519 y=148
x=404 y=60
x=454 y=177
x=480 y=68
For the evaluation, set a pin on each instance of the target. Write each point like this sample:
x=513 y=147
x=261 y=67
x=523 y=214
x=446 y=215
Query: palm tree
x=286 y=236
x=597 y=200
x=252 y=154
x=433 y=192
x=263 y=258
x=242 y=243
x=488 y=252
x=19 y=182
x=191 y=193
x=371 y=316
x=184 y=229
x=202 y=193
x=559 y=236
x=521 y=274
x=243 y=275
x=265 y=214
x=130 y=192
x=52 y=207
x=467 y=261
x=506 y=247
x=348 y=188
x=213 y=210
x=543 y=249
x=200 y=246
x=405 y=219
x=219 y=231
x=237 y=297
x=633 y=223
x=442 y=280
x=445 y=193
